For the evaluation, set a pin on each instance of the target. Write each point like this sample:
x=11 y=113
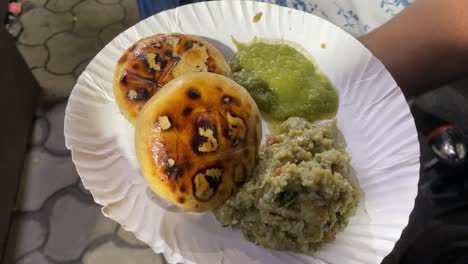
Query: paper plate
x=373 y=117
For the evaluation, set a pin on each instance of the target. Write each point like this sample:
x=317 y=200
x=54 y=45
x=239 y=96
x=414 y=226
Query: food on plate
x=300 y=195
x=197 y=140
x=283 y=81
x=152 y=62
x=257 y=17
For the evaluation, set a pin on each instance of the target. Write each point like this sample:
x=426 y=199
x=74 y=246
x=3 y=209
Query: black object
x=19 y=91
x=448 y=143
x=440 y=244
x=3 y=12
x=437 y=232
x=444 y=238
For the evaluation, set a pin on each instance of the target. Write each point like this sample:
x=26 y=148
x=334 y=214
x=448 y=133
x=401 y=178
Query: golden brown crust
x=197 y=140
x=152 y=62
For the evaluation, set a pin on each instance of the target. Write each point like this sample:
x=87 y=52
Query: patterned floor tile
x=55 y=142
x=43 y=175
x=83 y=190
x=130 y=239
x=40 y=132
x=91 y=19
x=61 y=5
x=75 y=49
x=111 y=253
x=108 y=2
x=39 y=24
x=80 y=68
x=131 y=12
x=54 y=87
x=25 y=236
x=74 y=224
x=34 y=258
x=35 y=56
x=32 y=3
x=111 y=31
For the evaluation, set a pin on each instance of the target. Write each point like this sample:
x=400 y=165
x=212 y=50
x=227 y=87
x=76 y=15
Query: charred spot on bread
x=181 y=199
x=193 y=93
x=132 y=79
x=206 y=137
x=171 y=56
x=153 y=62
x=143 y=57
x=138 y=94
x=228 y=99
x=160 y=60
x=187 y=111
x=155 y=44
x=188 y=44
x=172 y=40
x=174 y=172
x=123 y=80
x=206 y=182
x=237 y=130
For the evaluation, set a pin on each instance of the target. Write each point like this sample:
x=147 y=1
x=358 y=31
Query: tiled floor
x=59 y=37
x=56 y=220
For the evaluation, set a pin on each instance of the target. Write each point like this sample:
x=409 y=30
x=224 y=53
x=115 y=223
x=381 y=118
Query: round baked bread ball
x=150 y=63
x=197 y=140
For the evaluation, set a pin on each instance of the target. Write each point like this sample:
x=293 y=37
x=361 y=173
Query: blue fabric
x=357 y=17
x=150 y=7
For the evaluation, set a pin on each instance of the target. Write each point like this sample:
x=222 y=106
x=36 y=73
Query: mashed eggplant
x=300 y=195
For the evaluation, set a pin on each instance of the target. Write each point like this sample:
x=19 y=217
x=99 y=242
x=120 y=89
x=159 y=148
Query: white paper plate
x=373 y=117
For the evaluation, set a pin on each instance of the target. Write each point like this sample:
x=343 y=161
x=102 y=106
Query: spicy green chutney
x=283 y=82
x=257 y=17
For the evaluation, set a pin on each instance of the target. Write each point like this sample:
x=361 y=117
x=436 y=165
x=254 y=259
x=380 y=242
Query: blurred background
x=47 y=216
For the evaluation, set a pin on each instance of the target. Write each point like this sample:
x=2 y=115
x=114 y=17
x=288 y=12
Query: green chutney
x=283 y=82
x=257 y=17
